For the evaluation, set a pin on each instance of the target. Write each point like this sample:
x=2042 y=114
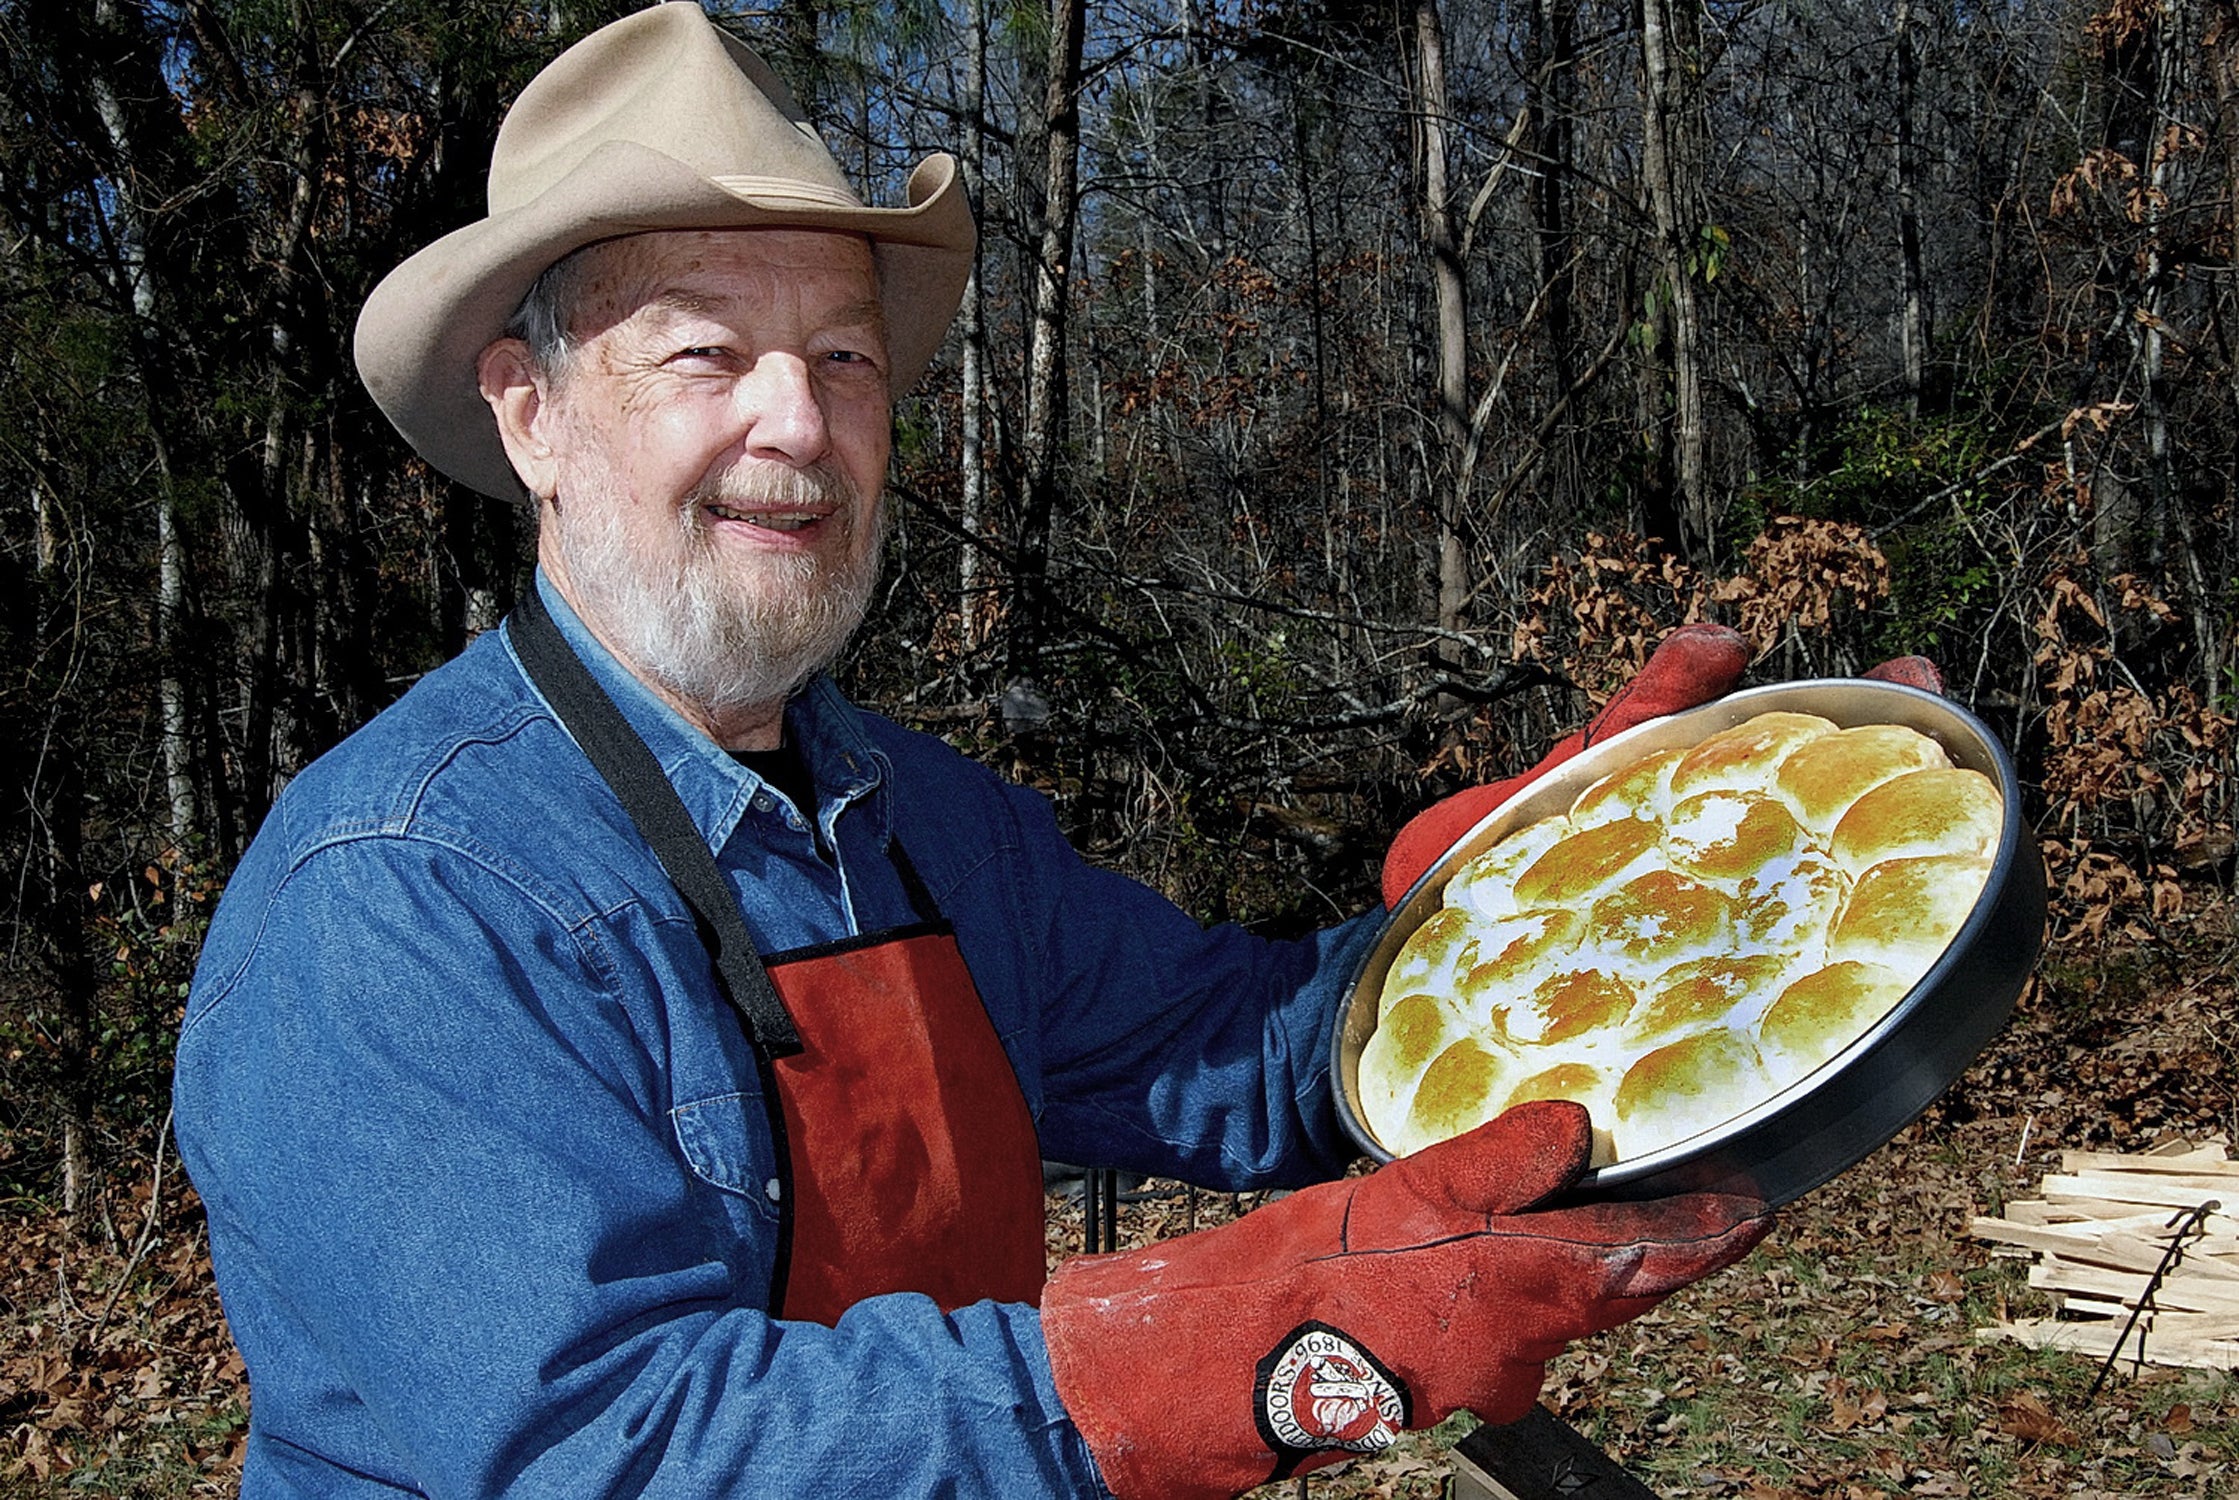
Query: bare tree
x=1672 y=163
x=1045 y=431
x=1442 y=240
x=1912 y=277
x=972 y=501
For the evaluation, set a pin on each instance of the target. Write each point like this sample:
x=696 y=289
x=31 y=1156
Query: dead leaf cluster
x=111 y=1385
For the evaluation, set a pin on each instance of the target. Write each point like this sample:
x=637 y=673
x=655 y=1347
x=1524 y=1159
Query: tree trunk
x=276 y=732
x=55 y=789
x=2167 y=40
x=1317 y=335
x=2219 y=652
x=136 y=279
x=1672 y=161
x=1913 y=288
x=1551 y=61
x=1433 y=110
x=971 y=608
x=1044 y=438
x=2128 y=520
x=72 y=958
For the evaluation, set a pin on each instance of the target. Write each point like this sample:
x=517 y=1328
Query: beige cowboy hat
x=659 y=121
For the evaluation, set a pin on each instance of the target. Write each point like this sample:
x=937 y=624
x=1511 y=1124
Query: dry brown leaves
x=1597 y=614
x=114 y=1386
x=1804 y=576
x=2125 y=767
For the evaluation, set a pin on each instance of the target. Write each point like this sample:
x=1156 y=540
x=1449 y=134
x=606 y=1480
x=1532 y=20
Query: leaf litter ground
x=1839 y=1361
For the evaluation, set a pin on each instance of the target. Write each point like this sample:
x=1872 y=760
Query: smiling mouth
x=768 y=520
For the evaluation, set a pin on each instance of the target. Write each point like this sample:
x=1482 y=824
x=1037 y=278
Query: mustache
x=821 y=485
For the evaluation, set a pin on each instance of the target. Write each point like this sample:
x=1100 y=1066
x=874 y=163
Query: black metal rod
x=1092 y=1218
x=2183 y=1224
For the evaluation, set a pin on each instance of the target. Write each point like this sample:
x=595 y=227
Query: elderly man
x=622 y=1067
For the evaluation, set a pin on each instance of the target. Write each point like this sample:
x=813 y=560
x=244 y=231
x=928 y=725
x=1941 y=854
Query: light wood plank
x=2100 y=1246
x=2172 y=1190
x=2097 y=1339
x=2178 y=1293
x=2214 y=1160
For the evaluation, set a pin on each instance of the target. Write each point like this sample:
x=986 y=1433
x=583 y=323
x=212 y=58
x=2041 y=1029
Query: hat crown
x=667 y=79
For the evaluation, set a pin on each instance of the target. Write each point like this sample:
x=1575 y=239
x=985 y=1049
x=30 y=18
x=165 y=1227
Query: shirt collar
x=715 y=788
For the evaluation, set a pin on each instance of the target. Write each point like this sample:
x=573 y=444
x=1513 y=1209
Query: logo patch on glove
x=1318 y=1390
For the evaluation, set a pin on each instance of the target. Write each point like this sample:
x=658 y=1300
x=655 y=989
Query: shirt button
x=775 y=1189
x=762 y=802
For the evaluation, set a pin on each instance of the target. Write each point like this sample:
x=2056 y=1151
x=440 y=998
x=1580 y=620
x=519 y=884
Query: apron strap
x=920 y=896
x=622 y=758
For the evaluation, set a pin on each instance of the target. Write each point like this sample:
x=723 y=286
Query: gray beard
x=683 y=621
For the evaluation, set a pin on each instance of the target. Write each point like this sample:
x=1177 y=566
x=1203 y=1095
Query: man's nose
x=785 y=418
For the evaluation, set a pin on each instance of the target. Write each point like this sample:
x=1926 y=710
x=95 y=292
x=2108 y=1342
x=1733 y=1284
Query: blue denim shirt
x=482 y=1147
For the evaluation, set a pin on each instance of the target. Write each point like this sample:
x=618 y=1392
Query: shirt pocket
x=726 y=1141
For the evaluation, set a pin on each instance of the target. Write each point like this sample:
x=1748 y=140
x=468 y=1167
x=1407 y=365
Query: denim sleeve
x=463 y=1255
x=1155 y=1043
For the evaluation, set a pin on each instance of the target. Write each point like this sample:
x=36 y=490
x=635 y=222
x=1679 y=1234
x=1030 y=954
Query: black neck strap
x=621 y=757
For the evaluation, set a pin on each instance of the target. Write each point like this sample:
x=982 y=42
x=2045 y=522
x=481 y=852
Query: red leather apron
x=914 y=1162
x=910 y=1149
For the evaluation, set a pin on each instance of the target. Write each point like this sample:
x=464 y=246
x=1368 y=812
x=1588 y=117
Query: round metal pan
x=1832 y=1118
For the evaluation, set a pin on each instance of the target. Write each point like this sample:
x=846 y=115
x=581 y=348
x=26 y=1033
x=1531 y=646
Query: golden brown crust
x=1413 y=1031
x=1788 y=906
x=1946 y=812
x=1685 y=1087
x=1514 y=954
x=1583 y=864
x=1903 y=913
x=1655 y=920
x=1823 y=778
x=1729 y=836
x=1748 y=755
x=1564 y=1007
x=1640 y=790
x=1462 y=1088
x=1700 y=994
x=1434 y=954
x=1823 y=1012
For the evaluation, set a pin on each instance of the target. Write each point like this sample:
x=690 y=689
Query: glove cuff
x=1156 y=1385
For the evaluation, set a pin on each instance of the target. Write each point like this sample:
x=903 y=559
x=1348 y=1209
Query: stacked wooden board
x=2101 y=1227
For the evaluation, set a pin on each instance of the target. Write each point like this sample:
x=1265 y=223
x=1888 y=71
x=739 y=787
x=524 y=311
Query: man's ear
x=517 y=394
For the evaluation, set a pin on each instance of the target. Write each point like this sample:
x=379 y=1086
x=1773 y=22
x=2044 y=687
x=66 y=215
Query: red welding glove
x=1319 y=1326
x=1912 y=671
x=1692 y=666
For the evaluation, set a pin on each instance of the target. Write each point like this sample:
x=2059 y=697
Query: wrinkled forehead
x=741 y=276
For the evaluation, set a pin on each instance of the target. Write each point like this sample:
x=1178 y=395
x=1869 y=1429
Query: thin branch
x=2020 y=451
x=146 y=1239
x=941 y=517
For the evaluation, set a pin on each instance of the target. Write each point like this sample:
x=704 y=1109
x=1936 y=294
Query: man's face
x=717 y=446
